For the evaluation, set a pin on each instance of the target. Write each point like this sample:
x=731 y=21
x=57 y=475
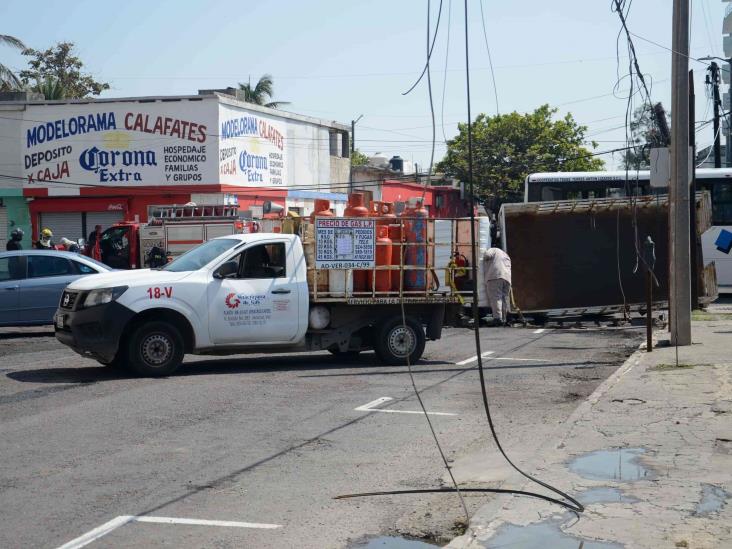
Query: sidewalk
x=649 y=454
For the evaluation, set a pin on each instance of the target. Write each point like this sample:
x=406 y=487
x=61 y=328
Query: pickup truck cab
x=245 y=293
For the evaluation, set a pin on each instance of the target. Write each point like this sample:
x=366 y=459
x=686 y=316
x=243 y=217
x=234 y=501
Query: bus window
x=722 y=204
x=550 y=193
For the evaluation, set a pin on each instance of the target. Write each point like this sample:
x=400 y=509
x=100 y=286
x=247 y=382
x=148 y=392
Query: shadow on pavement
x=68 y=375
x=213 y=366
x=24 y=335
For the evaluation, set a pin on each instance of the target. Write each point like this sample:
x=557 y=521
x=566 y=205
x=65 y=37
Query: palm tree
x=51 y=88
x=263 y=91
x=8 y=80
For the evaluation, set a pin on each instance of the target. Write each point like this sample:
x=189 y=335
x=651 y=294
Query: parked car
x=31 y=283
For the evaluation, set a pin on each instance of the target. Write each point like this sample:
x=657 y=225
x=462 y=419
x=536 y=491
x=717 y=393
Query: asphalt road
x=270 y=440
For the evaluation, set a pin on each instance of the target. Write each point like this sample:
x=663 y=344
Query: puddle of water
x=542 y=535
x=604 y=494
x=391 y=542
x=620 y=464
x=712 y=500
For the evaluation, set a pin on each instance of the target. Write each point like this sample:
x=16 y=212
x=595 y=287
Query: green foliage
x=62 y=66
x=644 y=134
x=8 y=80
x=51 y=89
x=261 y=93
x=508 y=147
x=358 y=158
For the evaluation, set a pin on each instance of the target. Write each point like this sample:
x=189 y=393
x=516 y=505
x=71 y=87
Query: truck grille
x=68 y=299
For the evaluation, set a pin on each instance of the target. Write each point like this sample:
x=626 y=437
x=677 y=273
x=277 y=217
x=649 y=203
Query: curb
x=492 y=510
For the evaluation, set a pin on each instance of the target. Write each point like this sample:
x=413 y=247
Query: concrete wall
x=11 y=171
x=339 y=173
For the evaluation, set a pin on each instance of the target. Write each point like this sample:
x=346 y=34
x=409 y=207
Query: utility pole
x=728 y=125
x=713 y=81
x=728 y=117
x=694 y=242
x=679 y=246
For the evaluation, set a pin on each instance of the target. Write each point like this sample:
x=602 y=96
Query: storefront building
x=70 y=165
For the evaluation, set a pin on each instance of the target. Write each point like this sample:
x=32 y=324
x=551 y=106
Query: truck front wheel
x=155 y=349
x=397 y=341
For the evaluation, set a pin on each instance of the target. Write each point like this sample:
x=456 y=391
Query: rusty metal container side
x=581 y=254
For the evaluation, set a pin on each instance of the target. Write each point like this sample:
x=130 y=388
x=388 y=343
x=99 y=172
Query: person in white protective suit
x=497 y=281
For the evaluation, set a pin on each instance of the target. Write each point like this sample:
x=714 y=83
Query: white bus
x=541 y=187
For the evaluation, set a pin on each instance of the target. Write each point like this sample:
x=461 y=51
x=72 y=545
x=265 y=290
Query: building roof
x=220 y=97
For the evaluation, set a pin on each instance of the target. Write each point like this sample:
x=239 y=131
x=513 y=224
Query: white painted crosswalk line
x=473 y=358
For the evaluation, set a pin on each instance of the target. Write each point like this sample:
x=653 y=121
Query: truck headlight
x=105 y=295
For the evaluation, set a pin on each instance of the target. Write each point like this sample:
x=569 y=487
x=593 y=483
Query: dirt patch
x=707 y=316
x=667 y=367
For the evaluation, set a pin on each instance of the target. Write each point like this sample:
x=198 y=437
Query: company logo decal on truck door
x=246 y=310
x=231 y=301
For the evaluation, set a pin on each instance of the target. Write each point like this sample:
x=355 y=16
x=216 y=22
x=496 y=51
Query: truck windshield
x=201 y=255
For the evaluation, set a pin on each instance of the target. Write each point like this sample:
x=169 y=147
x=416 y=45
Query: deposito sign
x=345 y=243
x=166 y=143
x=119 y=144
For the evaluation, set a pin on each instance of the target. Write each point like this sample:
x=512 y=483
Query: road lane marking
x=473 y=358
x=367 y=407
x=202 y=522
x=540 y=330
x=370 y=407
x=107 y=527
x=97 y=533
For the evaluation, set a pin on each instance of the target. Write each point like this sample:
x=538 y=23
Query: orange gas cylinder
x=383 y=210
x=395 y=234
x=383 y=258
x=415 y=232
x=355 y=208
x=321 y=209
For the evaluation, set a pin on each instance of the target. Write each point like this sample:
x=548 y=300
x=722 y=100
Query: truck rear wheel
x=397 y=341
x=155 y=349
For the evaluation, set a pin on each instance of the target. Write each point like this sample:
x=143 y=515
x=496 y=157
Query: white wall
x=263 y=150
x=11 y=159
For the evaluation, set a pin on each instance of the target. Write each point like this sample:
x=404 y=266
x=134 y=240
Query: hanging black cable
x=572 y=503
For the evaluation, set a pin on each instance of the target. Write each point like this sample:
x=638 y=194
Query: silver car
x=31 y=283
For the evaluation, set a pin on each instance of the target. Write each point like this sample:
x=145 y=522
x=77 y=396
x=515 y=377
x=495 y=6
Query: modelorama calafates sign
x=159 y=144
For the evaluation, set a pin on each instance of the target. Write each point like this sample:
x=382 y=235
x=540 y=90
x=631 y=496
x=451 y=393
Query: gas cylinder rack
x=410 y=264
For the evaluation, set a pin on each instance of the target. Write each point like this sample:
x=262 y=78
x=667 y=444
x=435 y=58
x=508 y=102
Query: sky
x=338 y=60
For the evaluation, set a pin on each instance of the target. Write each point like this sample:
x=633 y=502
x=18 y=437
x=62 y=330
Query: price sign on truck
x=345 y=243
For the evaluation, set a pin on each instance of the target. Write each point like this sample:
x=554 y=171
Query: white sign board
x=119 y=144
x=661 y=167
x=345 y=243
x=252 y=148
x=206 y=141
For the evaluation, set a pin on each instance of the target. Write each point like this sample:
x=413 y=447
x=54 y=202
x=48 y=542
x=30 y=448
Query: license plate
x=60 y=320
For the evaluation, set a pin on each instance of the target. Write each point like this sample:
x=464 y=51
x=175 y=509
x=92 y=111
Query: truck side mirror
x=227 y=270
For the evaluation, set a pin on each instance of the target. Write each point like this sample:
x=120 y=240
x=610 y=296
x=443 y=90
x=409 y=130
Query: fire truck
x=170 y=231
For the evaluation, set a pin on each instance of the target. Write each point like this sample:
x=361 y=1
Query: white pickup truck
x=245 y=293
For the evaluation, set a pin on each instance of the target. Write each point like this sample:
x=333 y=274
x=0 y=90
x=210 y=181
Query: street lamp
x=353 y=149
x=728 y=132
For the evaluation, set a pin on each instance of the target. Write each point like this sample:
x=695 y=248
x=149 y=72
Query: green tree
x=61 y=65
x=358 y=158
x=262 y=93
x=645 y=133
x=508 y=147
x=8 y=80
